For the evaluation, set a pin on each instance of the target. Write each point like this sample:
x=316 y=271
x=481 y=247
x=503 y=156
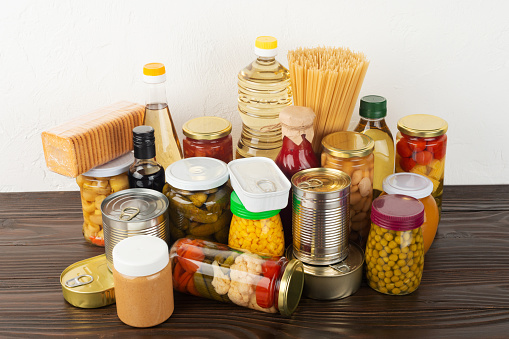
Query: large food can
x=320 y=216
x=136 y=211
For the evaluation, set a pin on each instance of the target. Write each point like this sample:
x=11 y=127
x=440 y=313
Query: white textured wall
x=60 y=59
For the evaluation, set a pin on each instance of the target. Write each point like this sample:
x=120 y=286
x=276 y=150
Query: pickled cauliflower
x=221 y=281
x=244 y=275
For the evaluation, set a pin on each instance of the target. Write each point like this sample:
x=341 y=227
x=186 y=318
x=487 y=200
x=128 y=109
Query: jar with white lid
x=420 y=188
x=199 y=199
x=143 y=281
x=95 y=185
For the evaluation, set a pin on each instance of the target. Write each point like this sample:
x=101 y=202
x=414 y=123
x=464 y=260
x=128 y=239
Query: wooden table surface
x=464 y=291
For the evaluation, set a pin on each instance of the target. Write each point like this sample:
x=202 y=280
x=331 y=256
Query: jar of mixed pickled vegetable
x=199 y=199
x=260 y=232
x=420 y=148
x=352 y=153
x=95 y=185
x=208 y=137
x=395 y=248
x=216 y=271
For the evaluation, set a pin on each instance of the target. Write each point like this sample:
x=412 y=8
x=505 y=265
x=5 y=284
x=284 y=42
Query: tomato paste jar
x=211 y=270
x=395 y=249
x=208 y=137
x=420 y=148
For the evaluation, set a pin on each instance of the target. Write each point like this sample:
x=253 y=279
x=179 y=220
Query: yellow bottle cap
x=266 y=42
x=154 y=69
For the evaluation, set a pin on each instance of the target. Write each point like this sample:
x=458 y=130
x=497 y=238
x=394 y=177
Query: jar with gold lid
x=420 y=148
x=352 y=153
x=208 y=137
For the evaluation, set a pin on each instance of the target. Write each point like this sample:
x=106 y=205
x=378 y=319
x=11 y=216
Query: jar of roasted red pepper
x=216 y=271
x=208 y=137
x=420 y=149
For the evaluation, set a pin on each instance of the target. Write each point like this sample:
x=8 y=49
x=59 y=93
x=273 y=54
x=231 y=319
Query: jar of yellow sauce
x=260 y=232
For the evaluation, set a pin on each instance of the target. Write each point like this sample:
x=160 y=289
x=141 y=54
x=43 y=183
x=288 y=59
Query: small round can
x=320 y=215
x=131 y=212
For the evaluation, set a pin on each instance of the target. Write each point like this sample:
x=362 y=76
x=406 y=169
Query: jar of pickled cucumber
x=352 y=153
x=199 y=199
x=420 y=148
x=395 y=248
x=95 y=185
x=260 y=232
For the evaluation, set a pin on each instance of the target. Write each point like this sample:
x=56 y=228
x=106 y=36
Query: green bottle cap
x=239 y=210
x=373 y=107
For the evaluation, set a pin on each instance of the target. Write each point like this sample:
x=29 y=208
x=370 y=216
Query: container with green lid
x=258 y=232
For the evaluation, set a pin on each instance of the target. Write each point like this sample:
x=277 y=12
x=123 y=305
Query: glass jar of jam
x=420 y=148
x=352 y=153
x=211 y=270
x=95 y=185
x=420 y=188
x=395 y=249
x=208 y=137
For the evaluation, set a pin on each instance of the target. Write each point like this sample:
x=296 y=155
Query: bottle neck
x=367 y=119
x=266 y=60
x=156 y=96
x=145 y=153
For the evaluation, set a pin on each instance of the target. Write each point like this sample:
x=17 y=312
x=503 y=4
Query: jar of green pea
x=395 y=248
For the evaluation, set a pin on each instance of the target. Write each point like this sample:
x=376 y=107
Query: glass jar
x=352 y=153
x=95 y=185
x=395 y=249
x=143 y=281
x=208 y=137
x=420 y=188
x=420 y=148
x=257 y=232
x=216 y=271
x=199 y=199
x=373 y=110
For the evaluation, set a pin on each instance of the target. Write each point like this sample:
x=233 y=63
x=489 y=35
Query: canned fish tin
x=88 y=283
x=136 y=211
x=320 y=215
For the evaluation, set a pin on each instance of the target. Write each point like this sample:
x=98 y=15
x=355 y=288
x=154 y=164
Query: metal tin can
x=320 y=216
x=136 y=211
x=88 y=283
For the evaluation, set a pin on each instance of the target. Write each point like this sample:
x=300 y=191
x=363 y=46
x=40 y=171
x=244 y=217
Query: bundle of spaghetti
x=327 y=80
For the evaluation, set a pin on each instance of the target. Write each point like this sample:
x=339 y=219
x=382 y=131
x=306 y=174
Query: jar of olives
x=95 y=185
x=395 y=248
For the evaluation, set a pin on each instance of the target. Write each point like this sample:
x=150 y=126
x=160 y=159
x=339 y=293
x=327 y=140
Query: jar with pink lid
x=395 y=247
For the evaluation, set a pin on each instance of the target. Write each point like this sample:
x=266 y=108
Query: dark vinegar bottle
x=145 y=172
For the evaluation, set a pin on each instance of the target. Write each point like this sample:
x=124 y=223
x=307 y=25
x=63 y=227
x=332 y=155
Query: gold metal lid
x=321 y=180
x=422 y=125
x=290 y=288
x=88 y=283
x=207 y=128
x=348 y=144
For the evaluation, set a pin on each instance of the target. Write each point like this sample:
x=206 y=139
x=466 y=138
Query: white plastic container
x=259 y=184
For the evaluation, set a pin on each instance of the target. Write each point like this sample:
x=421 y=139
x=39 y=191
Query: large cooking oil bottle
x=157 y=115
x=264 y=90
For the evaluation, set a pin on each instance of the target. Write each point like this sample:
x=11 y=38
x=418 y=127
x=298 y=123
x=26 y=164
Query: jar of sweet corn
x=260 y=232
x=95 y=185
x=420 y=148
x=395 y=248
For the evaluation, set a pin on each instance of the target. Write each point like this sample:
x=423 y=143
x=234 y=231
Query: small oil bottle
x=145 y=172
x=373 y=110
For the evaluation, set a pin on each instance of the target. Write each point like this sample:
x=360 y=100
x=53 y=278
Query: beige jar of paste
x=143 y=281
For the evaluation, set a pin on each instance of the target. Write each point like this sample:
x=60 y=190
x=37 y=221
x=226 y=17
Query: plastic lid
x=198 y=173
x=397 y=212
x=348 y=144
x=140 y=256
x=266 y=46
x=154 y=73
x=373 y=107
x=114 y=167
x=239 y=210
x=207 y=128
x=422 y=125
x=411 y=184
